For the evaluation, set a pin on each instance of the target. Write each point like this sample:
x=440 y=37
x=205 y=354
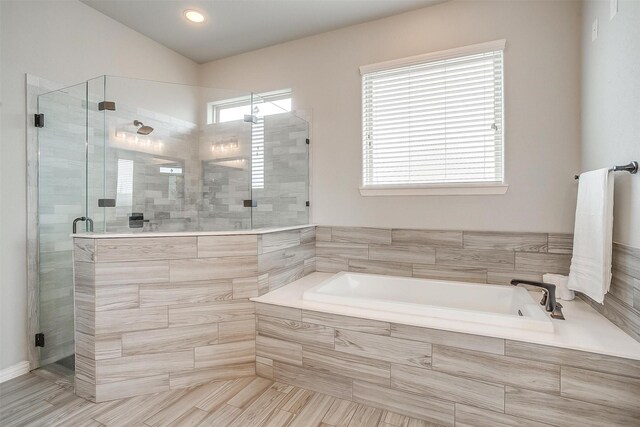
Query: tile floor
x=43 y=398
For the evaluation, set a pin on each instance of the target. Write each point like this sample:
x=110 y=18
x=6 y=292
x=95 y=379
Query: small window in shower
x=264 y=104
x=124 y=188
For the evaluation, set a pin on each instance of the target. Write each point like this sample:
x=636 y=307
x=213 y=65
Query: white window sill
x=436 y=190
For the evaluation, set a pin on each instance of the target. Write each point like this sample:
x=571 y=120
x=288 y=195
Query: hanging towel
x=592 y=238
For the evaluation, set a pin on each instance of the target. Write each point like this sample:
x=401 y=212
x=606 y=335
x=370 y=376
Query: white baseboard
x=16 y=370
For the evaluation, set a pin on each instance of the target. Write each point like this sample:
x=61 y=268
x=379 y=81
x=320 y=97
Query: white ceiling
x=236 y=26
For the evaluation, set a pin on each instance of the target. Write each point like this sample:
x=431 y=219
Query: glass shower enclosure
x=121 y=155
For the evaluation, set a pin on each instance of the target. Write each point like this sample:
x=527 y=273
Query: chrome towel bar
x=631 y=168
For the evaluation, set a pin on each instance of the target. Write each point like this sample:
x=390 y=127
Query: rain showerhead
x=142 y=129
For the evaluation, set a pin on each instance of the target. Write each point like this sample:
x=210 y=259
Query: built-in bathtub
x=416 y=348
x=495 y=305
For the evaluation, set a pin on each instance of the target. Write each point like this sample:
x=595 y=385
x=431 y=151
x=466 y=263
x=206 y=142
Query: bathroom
x=320 y=213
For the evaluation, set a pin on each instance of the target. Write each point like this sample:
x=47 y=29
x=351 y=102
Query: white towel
x=561 y=282
x=591 y=262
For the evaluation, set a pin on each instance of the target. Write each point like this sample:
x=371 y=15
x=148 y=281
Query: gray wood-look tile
x=626 y=259
x=445 y=272
x=290 y=330
x=619 y=313
x=114 y=297
x=623 y=287
x=185 y=315
x=579 y=359
x=187 y=270
x=544 y=263
x=369 y=326
x=227 y=246
x=519 y=242
x=448 y=338
x=308 y=235
x=164 y=294
x=435 y=238
x=498 y=369
x=132 y=272
x=133 y=319
x=331 y=264
x=389 y=349
x=132 y=387
x=323 y=234
x=285 y=258
x=560 y=243
x=346 y=365
x=312 y=380
x=108 y=346
x=279 y=311
x=280 y=350
x=366 y=416
x=169 y=339
x=240 y=330
x=313 y=412
x=361 y=235
x=342 y=250
x=504 y=277
x=145 y=248
x=564 y=412
x=475 y=258
x=614 y=391
x=194 y=377
x=407 y=253
x=448 y=387
x=279 y=278
x=272 y=242
x=340 y=413
x=245 y=287
x=142 y=365
x=264 y=370
x=381 y=267
x=469 y=416
x=84 y=249
x=225 y=354
x=422 y=407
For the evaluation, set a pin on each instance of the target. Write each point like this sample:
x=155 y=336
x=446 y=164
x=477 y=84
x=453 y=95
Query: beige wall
x=66 y=42
x=611 y=105
x=542 y=66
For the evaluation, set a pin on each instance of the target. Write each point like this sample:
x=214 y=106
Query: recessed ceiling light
x=194 y=16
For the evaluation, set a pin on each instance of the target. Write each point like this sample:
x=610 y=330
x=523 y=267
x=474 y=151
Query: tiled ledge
x=584 y=330
x=189 y=233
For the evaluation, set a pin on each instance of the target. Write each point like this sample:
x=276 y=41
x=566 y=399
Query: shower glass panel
x=168 y=166
x=280 y=178
x=62 y=180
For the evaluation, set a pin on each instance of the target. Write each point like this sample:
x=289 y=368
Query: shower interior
x=140 y=156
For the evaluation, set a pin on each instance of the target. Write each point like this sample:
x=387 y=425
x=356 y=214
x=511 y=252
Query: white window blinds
x=434 y=119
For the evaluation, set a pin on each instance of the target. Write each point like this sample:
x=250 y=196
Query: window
x=264 y=104
x=434 y=120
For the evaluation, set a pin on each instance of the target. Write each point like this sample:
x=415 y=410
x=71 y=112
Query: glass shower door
x=282 y=188
x=61 y=199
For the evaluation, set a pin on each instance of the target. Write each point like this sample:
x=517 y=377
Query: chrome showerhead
x=142 y=129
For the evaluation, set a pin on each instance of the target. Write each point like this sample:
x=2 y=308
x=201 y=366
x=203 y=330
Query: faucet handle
x=557 y=312
x=545 y=295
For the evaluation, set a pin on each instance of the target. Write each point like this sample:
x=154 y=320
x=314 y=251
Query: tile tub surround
x=622 y=303
x=160 y=313
x=443 y=377
x=468 y=256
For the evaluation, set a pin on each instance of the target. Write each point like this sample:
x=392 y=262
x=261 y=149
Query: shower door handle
x=82 y=218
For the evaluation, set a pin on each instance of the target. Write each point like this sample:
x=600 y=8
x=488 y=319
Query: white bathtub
x=507 y=306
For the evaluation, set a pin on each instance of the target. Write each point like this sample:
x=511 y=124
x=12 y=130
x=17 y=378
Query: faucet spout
x=548 y=299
